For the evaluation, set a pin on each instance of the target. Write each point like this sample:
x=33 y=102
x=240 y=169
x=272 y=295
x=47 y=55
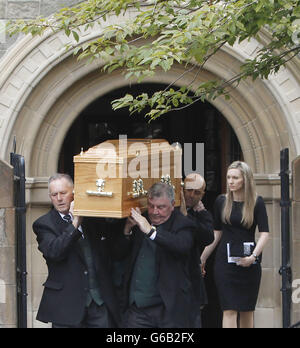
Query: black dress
x=237 y=286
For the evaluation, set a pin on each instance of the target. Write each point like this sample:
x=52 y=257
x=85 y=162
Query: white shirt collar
x=62 y=215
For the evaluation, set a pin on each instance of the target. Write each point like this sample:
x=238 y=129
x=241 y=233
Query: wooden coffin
x=114 y=176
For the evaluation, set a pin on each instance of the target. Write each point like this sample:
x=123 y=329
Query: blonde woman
x=238 y=257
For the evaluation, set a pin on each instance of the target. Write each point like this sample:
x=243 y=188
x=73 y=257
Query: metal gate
x=17 y=161
x=285 y=270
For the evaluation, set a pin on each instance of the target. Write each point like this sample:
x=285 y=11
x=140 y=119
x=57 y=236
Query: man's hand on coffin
x=77 y=220
x=140 y=220
x=129 y=225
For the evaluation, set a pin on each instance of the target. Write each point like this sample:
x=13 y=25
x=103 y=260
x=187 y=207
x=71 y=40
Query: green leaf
x=162 y=32
x=75 y=35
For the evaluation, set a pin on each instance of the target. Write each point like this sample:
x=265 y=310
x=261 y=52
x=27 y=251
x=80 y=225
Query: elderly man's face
x=159 y=209
x=61 y=195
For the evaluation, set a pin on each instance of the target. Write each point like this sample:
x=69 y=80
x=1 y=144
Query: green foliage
x=168 y=32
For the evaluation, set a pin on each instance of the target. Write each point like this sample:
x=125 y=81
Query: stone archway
x=43 y=88
x=55 y=102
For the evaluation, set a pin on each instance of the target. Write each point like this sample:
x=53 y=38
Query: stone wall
x=26 y=9
x=7 y=248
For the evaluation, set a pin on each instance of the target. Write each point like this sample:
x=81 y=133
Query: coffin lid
x=120 y=150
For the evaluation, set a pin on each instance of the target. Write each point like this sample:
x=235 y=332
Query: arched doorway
x=44 y=89
x=200 y=123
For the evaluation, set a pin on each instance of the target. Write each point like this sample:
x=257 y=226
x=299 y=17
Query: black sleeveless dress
x=237 y=286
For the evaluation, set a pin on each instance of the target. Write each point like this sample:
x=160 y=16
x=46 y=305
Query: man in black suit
x=157 y=284
x=194 y=209
x=79 y=290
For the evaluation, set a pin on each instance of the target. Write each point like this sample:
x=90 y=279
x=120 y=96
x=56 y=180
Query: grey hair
x=160 y=189
x=59 y=176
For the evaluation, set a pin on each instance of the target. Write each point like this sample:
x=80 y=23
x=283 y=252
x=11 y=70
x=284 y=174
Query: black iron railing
x=17 y=161
x=285 y=270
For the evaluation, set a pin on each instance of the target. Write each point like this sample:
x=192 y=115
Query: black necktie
x=67 y=218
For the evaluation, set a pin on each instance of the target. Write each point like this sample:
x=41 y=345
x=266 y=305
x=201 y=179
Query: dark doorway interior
x=200 y=123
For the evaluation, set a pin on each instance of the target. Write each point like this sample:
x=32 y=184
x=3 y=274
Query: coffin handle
x=99 y=193
x=137 y=189
x=100 y=183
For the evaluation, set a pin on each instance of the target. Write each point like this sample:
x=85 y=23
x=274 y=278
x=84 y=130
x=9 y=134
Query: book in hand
x=235 y=251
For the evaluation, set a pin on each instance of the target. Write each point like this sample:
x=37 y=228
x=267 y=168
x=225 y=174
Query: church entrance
x=200 y=123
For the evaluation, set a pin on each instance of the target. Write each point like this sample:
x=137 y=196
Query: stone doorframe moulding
x=43 y=89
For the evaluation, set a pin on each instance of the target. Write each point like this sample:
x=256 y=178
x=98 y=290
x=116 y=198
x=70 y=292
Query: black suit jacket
x=203 y=236
x=65 y=292
x=174 y=240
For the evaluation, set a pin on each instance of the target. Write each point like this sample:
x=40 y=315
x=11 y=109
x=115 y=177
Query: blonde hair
x=249 y=195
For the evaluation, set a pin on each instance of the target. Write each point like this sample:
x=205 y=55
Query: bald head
x=194 y=188
x=194 y=181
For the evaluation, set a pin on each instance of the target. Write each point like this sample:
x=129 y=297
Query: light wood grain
x=144 y=158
